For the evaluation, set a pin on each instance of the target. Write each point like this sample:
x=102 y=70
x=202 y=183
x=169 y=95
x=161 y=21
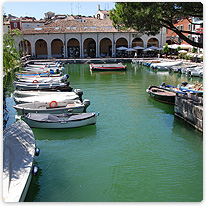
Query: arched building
x=82 y=37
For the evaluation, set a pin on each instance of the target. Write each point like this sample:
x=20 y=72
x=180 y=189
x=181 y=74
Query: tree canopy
x=149 y=17
x=11 y=57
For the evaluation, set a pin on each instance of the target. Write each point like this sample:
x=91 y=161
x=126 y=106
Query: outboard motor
x=184 y=84
x=79 y=92
x=86 y=102
x=163 y=84
x=64 y=78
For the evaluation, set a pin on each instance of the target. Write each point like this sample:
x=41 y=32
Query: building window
x=181 y=27
x=178 y=27
x=74 y=27
x=85 y=27
x=108 y=27
x=93 y=27
x=68 y=27
x=15 y=25
x=189 y=27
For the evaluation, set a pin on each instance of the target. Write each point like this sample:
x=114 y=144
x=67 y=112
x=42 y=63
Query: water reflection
x=64 y=134
x=34 y=187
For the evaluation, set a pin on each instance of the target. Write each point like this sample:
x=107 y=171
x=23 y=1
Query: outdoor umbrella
x=130 y=49
x=138 y=47
x=173 y=46
x=152 y=47
x=122 y=48
x=182 y=51
x=148 y=49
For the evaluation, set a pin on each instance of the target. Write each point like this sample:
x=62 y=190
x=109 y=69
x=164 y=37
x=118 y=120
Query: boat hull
x=61 y=124
x=161 y=95
x=107 y=67
x=72 y=108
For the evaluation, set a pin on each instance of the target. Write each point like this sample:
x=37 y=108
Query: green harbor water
x=137 y=152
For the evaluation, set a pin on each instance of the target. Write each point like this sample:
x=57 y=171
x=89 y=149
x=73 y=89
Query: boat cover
x=58 y=118
x=18 y=154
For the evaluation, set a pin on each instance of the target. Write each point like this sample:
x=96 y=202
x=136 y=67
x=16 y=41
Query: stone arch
x=73 y=48
x=137 y=42
x=153 y=42
x=89 y=47
x=25 y=47
x=105 y=47
x=57 y=48
x=121 y=42
x=41 y=49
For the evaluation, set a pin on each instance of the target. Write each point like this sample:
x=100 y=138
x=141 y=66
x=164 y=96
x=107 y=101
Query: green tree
x=166 y=48
x=11 y=57
x=149 y=17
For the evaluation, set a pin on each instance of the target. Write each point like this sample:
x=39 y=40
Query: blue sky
x=37 y=9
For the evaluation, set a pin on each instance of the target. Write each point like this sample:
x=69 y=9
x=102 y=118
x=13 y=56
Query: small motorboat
x=60 y=121
x=161 y=94
x=20 y=93
x=53 y=86
x=18 y=155
x=43 y=79
x=52 y=107
x=107 y=67
x=164 y=66
x=46 y=98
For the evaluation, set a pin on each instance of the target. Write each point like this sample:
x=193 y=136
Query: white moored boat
x=43 y=86
x=60 y=121
x=18 y=155
x=53 y=107
x=19 y=93
x=46 y=98
x=43 y=79
x=165 y=65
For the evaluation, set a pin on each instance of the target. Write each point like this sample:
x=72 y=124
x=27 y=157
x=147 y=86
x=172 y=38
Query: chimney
x=98 y=7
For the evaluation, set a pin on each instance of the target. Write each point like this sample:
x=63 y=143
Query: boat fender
x=53 y=102
x=35 y=170
x=37 y=151
x=35 y=81
x=86 y=102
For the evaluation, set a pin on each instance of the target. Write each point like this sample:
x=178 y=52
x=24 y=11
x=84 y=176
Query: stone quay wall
x=190 y=108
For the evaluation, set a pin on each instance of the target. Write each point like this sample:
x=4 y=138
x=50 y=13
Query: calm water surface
x=138 y=151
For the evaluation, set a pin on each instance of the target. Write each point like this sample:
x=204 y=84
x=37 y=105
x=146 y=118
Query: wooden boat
x=107 y=67
x=60 y=121
x=18 y=156
x=52 y=107
x=161 y=94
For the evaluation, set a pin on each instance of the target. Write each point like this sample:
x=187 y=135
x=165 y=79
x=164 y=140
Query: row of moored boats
x=45 y=98
x=192 y=70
